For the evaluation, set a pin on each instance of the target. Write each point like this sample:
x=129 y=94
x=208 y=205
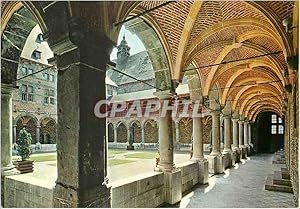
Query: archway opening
x=269 y=133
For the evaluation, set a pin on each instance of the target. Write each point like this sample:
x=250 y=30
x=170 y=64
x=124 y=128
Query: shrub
x=24 y=142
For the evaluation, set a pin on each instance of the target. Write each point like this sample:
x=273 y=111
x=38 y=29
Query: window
x=36 y=54
x=24 y=71
x=40 y=37
x=274 y=119
x=277 y=127
x=280 y=129
x=274 y=129
x=27 y=93
x=46 y=96
x=46 y=76
x=52 y=78
x=49 y=96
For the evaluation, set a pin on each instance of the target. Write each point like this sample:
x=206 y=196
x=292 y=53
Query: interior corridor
x=240 y=186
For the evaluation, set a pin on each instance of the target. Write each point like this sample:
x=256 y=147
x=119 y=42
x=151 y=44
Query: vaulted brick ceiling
x=223 y=31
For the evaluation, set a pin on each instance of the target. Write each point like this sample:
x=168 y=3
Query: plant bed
x=25 y=166
x=130 y=147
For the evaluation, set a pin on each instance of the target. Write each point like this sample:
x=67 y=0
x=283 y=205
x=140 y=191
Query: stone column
x=7 y=168
x=115 y=135
x=249 y=135
x=235 y=133
x=177 y=134
x=128 y=134
x=227 y=144
x=197 y=139
x=246 y=133
x=165 y=134
x=82 y=57
x=143 y=136
x=215 y=132
x=246 y=137
x=38 y=128
x=14 y=133
x=241 y=133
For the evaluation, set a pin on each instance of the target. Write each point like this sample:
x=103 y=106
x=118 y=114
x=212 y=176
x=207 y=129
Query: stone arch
x=151 y=131
x=48 y=130
x=185 y=130
x=136 y=131
x=121 y=132
x=110 y=132
x=29 y=123
x=26 y=115
x=147 y=31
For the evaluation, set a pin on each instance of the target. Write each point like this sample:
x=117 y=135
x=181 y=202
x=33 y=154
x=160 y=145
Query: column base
x=9 y=170
x=227 y=159
x=248 y=149
x=233 y=157
x=216 y=164
x=172 y=186
x=243 y=152
x=164 y=167
x=203 y=171
x=66 y=196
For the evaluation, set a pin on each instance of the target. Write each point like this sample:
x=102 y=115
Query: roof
x=138 y=65
x=108 y=81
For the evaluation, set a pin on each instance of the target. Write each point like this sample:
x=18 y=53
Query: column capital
x=6 y=89
x=228 y=116
x=215 y=112
x=241 y=122
x=235 y=120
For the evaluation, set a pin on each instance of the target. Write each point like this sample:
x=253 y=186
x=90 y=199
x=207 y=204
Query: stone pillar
x=128 y=134
x=177 y=134
x=81 y=136
x=235 y=135
x=241 y=133
x=241 y=140
x=198 y=155
x=165 y=134
x=215 y=133
x=143 y=136
x=115 y=135
x=14 y=133
x=216 y=160
x=197 y=139
x=246 y=137
x=227 y=144
x=250 y=135
x=38 y=128
x=7 y=168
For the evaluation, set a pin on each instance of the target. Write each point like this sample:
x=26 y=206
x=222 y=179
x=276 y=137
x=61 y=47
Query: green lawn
x=113 y=162
x=143 y=155
x=113 y=152
x=39 y=158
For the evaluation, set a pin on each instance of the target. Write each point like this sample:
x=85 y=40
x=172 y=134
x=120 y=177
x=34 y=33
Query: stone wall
x=291 y=139
x=143 y=193
x=19 y=194
x=189 y=175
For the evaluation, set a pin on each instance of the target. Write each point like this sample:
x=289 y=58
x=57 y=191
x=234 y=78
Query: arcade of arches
x=241 y=61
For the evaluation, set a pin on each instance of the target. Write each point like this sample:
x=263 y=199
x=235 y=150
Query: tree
x=24 y=144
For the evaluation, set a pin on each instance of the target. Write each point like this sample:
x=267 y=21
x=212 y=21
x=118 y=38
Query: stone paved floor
x=242 y=186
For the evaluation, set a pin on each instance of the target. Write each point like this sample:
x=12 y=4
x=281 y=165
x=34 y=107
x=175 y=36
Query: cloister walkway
x=241 y=186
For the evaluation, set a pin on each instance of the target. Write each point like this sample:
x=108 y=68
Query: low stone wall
x=19 y=194
x=142 y=193
x=189 y=175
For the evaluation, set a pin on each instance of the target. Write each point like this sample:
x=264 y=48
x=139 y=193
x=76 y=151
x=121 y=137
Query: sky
x=133 y=41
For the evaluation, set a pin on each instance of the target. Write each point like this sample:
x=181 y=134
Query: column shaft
x=235 y=133
x=7 y=168
x=241 y=133
x=215 y=133
x=115 y=135
x=165 y=135
x=14 y=134
x=197 y=139
x=143 y=135
x=227 y=144
x=38 y=134
x=246 y=131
